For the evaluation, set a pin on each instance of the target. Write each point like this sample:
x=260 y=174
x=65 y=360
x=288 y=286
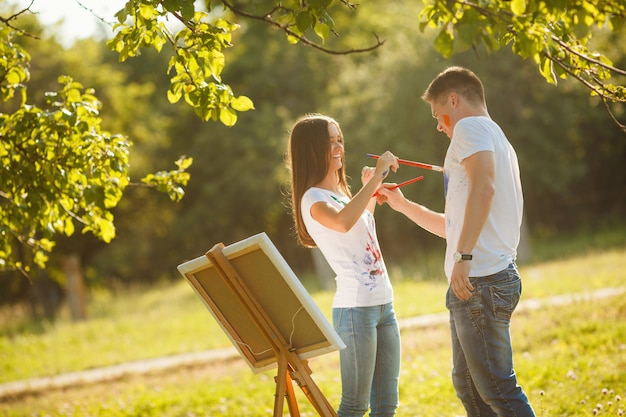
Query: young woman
x=326 y=215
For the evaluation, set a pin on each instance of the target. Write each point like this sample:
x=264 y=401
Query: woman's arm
x=342 y=220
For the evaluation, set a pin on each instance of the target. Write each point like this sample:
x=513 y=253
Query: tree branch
x=585 y=57
x=612 y=116
x=266 y=18
x=595 y=89
x=7 y=21
x=92 y=12
x=569 y=71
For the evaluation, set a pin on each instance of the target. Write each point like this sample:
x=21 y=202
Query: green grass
x=172 y=319
x=570 y=359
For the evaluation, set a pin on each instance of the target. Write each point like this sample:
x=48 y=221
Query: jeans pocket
x=342 y=321
x=452 y=302
x=504 y=297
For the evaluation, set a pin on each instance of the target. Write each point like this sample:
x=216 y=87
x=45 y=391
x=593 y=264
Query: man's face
x=443 y=111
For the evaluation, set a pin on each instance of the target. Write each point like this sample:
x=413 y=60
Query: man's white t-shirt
x=354 y=256
x=497 y=244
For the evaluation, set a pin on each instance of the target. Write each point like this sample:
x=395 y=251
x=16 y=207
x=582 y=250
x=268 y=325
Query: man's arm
x=480 y=169
x=481 y=174
x=422 y=216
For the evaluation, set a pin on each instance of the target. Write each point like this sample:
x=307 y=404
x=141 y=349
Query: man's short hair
x=455 y=79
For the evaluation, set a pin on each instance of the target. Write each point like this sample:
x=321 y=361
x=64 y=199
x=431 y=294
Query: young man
x=481 y=225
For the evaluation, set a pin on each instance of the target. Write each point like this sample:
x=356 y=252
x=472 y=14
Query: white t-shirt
x=355 y=255
x=497 y=244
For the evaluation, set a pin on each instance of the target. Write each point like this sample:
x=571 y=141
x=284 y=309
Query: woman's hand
x=385 y=162
x=366 y=174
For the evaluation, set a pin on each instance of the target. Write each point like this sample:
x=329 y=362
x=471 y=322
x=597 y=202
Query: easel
x=290 y=366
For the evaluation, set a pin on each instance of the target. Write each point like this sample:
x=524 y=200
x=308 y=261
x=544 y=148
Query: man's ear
x=454 y=99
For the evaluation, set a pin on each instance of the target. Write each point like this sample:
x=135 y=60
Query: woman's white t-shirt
x=497 y=244
x=354 y=256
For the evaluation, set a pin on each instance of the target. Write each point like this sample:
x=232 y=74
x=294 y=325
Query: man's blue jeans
x=483 y=374
x=370 y=364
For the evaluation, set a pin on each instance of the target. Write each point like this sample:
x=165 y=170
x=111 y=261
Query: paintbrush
x=413 y=163
x=402 y=184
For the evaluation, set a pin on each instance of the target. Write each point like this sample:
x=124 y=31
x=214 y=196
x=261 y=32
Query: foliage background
x=571 y=154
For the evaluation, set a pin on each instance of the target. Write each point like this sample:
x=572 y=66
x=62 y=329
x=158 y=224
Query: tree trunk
x=75 y=287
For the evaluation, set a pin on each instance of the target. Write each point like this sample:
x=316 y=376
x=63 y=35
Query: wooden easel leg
x=281 y=387
x=291 y=398
x=284 y=388
x=303 y=376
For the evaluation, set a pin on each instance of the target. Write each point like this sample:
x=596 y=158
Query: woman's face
x=336 y=147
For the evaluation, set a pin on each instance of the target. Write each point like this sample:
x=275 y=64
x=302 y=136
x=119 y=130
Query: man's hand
x=459 y=281
x=392 y=196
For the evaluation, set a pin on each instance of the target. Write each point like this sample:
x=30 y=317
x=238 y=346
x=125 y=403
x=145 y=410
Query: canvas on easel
x=266 y=312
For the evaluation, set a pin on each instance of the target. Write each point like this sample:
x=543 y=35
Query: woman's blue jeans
x=483 y=374
x=370 y=364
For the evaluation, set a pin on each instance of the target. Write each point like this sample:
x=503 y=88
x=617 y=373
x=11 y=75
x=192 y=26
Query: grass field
x=570 y=359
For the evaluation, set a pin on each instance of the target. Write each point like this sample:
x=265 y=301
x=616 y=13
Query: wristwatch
x=458 y=257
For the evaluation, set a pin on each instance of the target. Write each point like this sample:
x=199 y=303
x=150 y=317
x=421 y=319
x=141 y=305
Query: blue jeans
x=482 y=354
x=370 y=364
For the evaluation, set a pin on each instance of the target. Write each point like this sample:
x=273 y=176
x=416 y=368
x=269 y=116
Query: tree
x=60 y=169
x=197 y=58
x=556 y=35
x=58 y=141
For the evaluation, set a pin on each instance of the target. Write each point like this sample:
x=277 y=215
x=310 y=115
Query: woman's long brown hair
x=308 y=158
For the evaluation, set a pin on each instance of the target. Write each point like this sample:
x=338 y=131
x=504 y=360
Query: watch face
x=458 y=257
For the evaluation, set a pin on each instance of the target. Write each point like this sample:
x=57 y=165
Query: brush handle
x=413 y=163
x=402 y=184
x=412 y=180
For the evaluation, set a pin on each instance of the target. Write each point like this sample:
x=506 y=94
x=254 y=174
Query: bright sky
x=77 y=21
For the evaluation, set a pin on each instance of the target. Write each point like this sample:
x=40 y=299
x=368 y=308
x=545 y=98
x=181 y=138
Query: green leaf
x=444 y=43
x=175 y=92
x=518 y=7
x=147 y=11
x=292 y=39
x=547 y=71
x=40 y=259
x=69 y=226
x=184 y=162
x=106 y=229
x=170 y=5
x=322 y=30
x=304 y=20
x=242 y=103
x=228 y=117
x=14 y=76
x=320 y=4
x=187 y=10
